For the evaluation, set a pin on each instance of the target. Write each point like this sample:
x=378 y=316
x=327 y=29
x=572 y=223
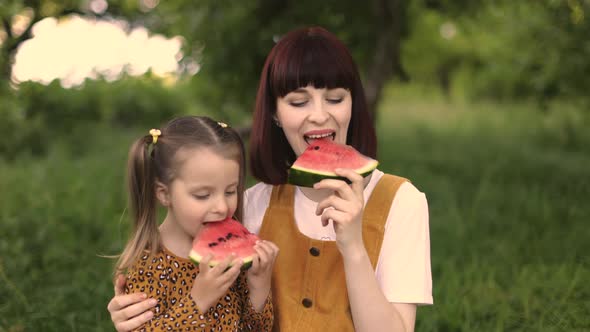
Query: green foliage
x=58 y=215
x=505 y=188
x=537 y=49
x=231 y=41
x=35 y=114
x=506 y=50
x=19 y=133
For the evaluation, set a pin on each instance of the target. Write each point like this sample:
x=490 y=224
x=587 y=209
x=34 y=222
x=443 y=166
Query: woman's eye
x=298 y=103
x=334 y=100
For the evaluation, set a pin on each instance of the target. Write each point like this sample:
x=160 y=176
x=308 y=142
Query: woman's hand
x=259 y=275
x=129 y=311
x=345 y=208
x=213 y=282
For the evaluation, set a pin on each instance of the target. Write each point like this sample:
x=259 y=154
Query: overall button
x=307 y=302
x=314 y=251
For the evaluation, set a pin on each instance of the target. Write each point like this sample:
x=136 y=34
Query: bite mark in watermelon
x=221 y=239
x=321 y=157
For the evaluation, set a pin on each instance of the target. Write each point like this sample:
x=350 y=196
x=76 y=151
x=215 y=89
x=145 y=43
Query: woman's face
x=308 y=113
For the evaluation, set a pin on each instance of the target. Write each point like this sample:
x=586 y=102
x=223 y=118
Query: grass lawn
x=507 y=187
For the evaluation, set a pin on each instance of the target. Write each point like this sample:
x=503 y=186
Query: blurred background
x=484 y=105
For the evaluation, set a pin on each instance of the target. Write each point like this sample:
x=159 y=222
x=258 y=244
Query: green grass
x=507 y=187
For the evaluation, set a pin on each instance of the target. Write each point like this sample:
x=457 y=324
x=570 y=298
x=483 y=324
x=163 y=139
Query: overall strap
x=376 y=213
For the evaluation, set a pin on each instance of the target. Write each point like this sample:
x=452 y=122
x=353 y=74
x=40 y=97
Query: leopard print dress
x=169 y=279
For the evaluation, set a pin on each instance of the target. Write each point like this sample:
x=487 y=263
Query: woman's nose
x=318 y=112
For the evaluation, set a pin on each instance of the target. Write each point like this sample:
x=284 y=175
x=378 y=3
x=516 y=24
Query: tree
x=18 y=18
x=521 y=49
x=230 y=42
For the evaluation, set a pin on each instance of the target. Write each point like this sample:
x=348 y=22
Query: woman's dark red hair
x=308 y=56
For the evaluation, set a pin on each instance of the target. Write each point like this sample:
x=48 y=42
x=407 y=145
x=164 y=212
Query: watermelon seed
x=212 y=244
x=221 y=239
x=316 y=147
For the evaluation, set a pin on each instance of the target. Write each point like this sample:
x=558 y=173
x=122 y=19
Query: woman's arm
x=129 y=311
x=370 y=309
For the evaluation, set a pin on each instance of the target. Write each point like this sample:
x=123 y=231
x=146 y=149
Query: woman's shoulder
x=407 y=195
x=259 y=191
x=406 y=188
x=256 y=199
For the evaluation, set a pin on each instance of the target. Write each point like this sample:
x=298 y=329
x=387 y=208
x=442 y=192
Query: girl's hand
x=213 y=282
x=259 y=275
x=130 y=311
x=345 y=208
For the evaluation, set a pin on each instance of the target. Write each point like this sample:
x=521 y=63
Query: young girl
x=194 y=167
x=353 y=257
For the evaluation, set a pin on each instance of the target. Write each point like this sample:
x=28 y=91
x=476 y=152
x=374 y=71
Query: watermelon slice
x=320 y=159
x=221 y=239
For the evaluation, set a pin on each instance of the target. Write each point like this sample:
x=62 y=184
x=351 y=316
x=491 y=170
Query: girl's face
x=308 y=113
x=204 y=190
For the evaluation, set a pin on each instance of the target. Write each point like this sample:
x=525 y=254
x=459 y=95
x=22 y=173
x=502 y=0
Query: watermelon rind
x=305 y=177
x=196 y=258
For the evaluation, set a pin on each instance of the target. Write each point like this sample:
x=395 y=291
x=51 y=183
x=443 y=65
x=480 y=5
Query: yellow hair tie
x=222 y=124
x=155 y=134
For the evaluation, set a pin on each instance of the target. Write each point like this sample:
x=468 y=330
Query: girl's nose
x=221 y=206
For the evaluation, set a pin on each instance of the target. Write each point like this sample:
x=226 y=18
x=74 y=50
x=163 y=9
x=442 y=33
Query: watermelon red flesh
x=320 y=159
x=221 y=239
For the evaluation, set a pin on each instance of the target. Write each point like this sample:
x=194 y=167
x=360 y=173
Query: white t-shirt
x=403 y=268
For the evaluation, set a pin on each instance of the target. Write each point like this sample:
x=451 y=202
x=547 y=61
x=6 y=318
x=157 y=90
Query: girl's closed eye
x=201 y=196
x=231 y=192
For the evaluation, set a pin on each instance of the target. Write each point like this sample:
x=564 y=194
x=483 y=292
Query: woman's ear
x=275 y=119
x=162 y=194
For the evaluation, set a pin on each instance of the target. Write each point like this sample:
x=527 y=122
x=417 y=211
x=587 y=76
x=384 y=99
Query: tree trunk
x=6 y=50
x=390 y=17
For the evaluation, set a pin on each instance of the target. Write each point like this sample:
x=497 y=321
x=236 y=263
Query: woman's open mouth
x=311 y=137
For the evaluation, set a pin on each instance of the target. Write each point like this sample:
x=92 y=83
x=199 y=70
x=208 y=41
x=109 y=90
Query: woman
x=353 y=257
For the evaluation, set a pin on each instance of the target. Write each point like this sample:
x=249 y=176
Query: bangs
x=311 y=60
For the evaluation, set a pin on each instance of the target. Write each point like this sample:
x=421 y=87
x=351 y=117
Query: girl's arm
x=176 y=311
x=255 y=318
x=370 y=309
x=148 y=281
x=260 y=274
x=257 y=300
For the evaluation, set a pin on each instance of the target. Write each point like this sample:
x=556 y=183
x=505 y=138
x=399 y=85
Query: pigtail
x=141 y=180
x=237 y=140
